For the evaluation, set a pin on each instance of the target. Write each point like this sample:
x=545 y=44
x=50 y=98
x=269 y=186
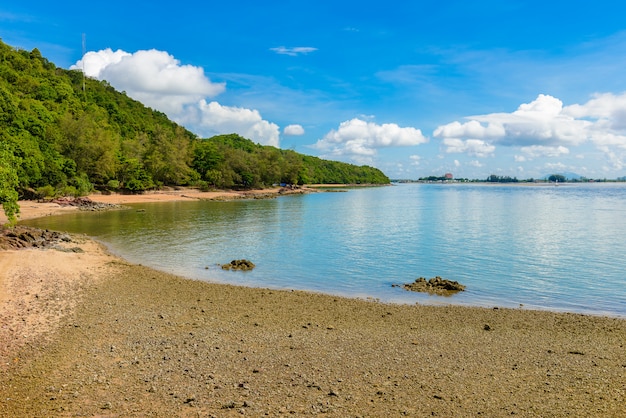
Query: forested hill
x=59 y=138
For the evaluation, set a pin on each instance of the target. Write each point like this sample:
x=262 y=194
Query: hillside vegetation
x=62 y=134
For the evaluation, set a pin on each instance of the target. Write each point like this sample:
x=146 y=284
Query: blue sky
x=415 y=88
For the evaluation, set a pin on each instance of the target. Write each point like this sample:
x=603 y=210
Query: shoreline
x=94 y=335
x=30 y=209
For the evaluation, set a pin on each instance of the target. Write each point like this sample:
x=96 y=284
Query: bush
x=82 y=185
x=69 y=191
x=45 y=192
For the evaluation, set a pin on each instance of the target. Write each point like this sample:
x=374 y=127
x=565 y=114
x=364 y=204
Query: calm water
x=558 y=248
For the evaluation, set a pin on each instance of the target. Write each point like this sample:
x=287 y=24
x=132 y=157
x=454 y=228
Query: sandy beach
x=84 y=333
x=30 y=209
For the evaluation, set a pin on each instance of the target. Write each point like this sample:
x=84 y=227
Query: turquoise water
x=557 y=248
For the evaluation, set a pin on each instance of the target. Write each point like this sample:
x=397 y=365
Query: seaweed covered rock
x=243 y=264
x=435 y=285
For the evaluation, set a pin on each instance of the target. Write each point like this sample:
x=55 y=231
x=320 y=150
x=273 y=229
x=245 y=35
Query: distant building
x=448 y=176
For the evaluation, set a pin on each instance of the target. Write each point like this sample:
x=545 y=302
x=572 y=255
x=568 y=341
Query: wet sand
x=88 y=334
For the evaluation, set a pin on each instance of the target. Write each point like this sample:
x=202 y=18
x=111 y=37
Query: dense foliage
x=501 y=179
x=64 y=134
x=557 y=178
x=228 y=161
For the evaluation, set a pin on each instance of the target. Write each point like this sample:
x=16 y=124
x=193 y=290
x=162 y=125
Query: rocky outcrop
x=83 y=203
x=435 y=285
x=244 y=265
x=25 y=237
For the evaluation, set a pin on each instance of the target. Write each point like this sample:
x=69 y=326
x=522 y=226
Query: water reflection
x=557 y=248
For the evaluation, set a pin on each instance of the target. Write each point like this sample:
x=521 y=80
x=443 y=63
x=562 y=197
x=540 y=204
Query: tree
x=557 y=178
x=8 y=183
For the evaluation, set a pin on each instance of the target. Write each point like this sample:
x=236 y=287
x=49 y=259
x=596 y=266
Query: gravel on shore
x=138 y=342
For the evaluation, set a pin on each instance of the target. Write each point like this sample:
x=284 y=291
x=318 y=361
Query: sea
x=558 y=248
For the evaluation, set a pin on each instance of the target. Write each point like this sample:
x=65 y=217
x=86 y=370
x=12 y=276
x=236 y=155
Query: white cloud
x=153 y=77
x=616 y=162
x=415 y=160
x=556 y=167
x=471 y=129
x=606 y=106
x=457 y=163
x=217 y=119
x=540 y=122
x=544 y=128
x=473 y=147
x=475 y=163
x=160 y=81
x=293 y=130
x=608 y=114
x=359 y=140
x=535 y=151
x=293 y=51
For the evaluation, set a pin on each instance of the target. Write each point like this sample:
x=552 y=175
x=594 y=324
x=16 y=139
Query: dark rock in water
x=239 y=265
x=435 y=285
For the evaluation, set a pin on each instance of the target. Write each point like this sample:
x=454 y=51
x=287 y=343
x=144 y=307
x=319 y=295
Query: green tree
x=557 y=178
x=8 y=183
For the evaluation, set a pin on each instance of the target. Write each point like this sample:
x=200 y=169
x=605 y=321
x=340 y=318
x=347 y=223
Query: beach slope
x=88 y=334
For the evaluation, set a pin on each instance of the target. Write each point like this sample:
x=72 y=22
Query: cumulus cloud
x=473 y=147
x=293 y=130
x=217 y=119
x=606 y=107
x=160 y=81
x=607 y=112
x=359 y=140
x=472 y=129
x=535 y=151
x=544 y=128
x=153 y=77
x=540 y=122
x=293 y=51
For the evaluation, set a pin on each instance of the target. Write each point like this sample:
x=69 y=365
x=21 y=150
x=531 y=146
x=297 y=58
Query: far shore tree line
x=493 y=178
x=58 y=138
